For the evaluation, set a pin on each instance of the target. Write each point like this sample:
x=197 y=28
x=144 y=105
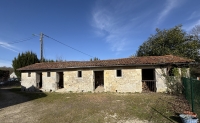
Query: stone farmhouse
x=135 y=74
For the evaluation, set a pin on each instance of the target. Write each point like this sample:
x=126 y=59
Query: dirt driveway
x=15 y=108
x=9 y=98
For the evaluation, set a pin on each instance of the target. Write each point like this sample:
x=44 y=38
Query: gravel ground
x=14 y=107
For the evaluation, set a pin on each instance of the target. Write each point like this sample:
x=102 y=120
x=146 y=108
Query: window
x=172 y=71
x=29 y=74
x=79 y=73
x=119 y=73
x=48 y=74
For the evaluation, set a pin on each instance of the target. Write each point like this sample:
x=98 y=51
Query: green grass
x=101 y=107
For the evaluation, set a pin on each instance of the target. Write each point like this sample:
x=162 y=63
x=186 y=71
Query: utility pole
x=41 y=46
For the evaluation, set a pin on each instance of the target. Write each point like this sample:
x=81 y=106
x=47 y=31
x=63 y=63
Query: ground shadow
x=161 y=114
x=177 y=106
x=12 y=95
x=176 y=119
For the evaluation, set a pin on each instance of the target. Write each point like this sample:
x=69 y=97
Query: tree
x=48 y=60
x=22 y=60
x=60 y=59
x=10 y=69
x=196 y=32
x=173 y=41
x=94 y=59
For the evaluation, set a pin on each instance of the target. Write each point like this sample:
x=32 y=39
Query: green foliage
x=184 y=72
x=4 y=75
x=22 y=60
x=173 y=83
x=48 y=60
x=10 y=69
x=94 y=59
x=172 y=41
x=176 y=72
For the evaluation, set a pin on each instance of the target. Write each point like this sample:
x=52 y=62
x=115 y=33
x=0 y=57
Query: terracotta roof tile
x=145 y=60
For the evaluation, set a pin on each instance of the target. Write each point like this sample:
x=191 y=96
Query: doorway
x=40 y=83
x=60 y=83
x=148 y=80
x=99 y=81
x=39 y=80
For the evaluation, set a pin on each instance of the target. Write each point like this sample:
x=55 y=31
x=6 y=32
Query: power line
x=68 y=46
x=23 y=40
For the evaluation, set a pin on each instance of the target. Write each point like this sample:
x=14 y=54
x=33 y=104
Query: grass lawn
x=102 y=107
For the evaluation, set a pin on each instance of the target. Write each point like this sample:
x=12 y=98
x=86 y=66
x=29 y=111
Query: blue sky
x=106 y=29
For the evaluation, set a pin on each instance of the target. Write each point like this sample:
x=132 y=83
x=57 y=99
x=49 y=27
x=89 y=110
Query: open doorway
x=40 y=83
x=99 y=81
x=60 y=83
x=39 y=80
x=148 y=80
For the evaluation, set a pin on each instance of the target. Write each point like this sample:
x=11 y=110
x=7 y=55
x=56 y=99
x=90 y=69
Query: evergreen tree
x=94 y=59
x=48 y=60
x=23 y=60
x=173 y=41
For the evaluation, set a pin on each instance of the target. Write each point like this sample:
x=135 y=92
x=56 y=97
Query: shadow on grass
x=161 y=114
x=158 y=111
x=176 y=119
x=12 y=95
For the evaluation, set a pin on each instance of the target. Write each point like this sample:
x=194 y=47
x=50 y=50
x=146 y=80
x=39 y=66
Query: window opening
x=48 y=74
x=119 y=73
x=79 y=74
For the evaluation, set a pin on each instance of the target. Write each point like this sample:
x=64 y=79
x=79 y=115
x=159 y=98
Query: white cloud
x=171 y=4
x=189 y=27
x=113 y=24
x=194 y=14
x=102 y=19
x=8 y=46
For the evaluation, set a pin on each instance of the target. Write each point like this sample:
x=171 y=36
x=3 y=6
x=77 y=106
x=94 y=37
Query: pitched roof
x=145 y=60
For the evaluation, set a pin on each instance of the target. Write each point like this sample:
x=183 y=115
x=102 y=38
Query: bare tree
x=59 y=59
x=196 y=32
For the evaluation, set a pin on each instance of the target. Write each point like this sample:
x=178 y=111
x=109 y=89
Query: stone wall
x=160 y=80
x=130 y=81
x=28 y=83
x=49 y=83
x=79 y=84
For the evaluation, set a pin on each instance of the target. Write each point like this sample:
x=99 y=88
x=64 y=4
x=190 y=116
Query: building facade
x=136 y=74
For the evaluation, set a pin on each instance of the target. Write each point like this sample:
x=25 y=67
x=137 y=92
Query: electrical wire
x=69 y=46
x=27 y=39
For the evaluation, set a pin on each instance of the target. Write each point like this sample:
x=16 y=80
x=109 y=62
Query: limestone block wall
x=28 y=83
x=130 y=81
x=49 y=83
x=160 y=79
x=75 y=84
